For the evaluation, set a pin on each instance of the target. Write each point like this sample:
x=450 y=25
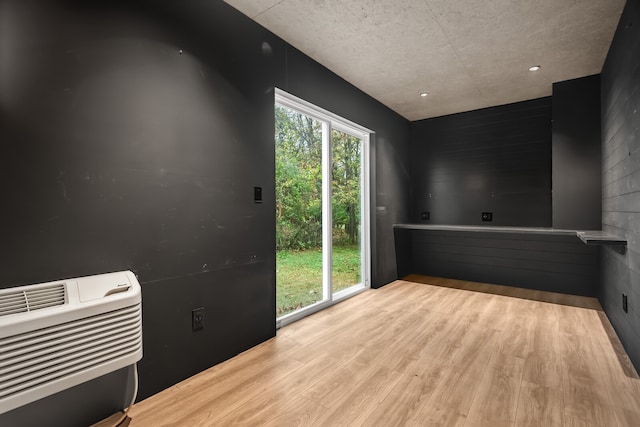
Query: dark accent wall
x=577 y=199
x=491 y=160
x=548 y=262
x=621 y=179
x=132 y=136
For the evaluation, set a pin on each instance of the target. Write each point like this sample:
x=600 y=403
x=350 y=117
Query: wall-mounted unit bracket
x=597 y=237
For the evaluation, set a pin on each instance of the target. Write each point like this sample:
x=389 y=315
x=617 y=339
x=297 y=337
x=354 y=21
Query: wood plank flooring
x=423 y=351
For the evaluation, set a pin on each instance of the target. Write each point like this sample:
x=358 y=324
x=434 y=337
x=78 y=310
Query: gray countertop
x=487 y=229
x=589 y=237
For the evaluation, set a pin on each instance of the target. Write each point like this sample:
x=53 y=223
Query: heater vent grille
x=41 y=356
x=22 y=301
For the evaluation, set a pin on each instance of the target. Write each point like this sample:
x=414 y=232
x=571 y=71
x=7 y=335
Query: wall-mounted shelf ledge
x=588 y=237
x=600 y=238
x=486 y=229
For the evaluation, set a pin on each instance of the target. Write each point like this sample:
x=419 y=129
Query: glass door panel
x=299 y=207
x=346 y=198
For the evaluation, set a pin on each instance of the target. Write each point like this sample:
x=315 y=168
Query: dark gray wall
x=500 y=160
x=491 y=160
x=120 y=152
x=621 y=179
x=548 y=262
x=577 y=199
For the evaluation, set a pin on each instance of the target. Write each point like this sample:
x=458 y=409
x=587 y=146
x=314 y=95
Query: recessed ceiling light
x=423 y=94
x=534 y=68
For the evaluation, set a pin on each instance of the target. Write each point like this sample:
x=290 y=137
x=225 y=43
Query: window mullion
x=327 y=225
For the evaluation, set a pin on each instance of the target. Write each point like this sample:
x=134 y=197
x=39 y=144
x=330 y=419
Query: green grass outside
x=299 y=276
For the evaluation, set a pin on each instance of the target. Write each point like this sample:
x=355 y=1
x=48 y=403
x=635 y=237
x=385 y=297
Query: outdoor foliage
x=345 y=175
x=299 y=183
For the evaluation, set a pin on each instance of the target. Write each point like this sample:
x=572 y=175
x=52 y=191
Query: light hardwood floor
x=423 y=351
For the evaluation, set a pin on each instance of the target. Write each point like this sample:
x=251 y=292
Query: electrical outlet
x=625 y=303
x=487 y=216
x=197 y=319
x=425 y=216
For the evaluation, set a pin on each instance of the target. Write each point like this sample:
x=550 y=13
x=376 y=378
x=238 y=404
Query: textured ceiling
x=467 y=54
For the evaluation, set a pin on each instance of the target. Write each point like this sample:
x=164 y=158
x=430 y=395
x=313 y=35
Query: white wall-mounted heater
x=56 y=335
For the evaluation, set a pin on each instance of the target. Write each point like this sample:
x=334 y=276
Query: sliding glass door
x=321 y=208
